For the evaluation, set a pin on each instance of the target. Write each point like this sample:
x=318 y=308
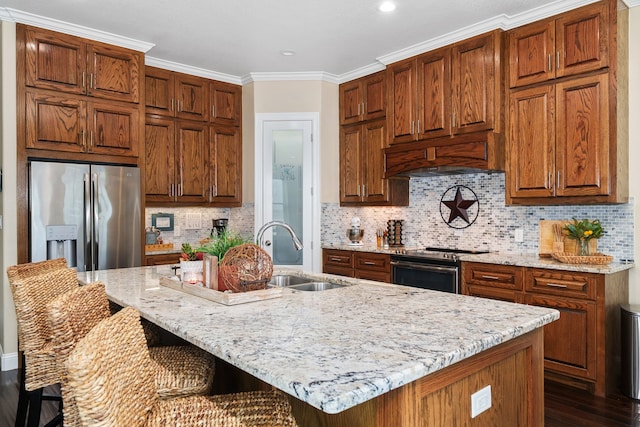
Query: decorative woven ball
x=246 y=267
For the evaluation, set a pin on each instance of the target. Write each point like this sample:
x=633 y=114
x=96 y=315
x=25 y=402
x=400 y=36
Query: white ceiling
x=241 y=40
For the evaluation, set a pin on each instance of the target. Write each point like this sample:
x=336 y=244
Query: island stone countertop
x=333 y=349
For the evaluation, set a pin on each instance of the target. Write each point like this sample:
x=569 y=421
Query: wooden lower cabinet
x=162 y=259
x=362 y=265
x=582 y=348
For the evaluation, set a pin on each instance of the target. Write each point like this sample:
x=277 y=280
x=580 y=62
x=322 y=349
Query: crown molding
x=361 y=72
x=631 y=3
x=13 y=15
x=188 y=69
x=504 y=22
x=293 y=76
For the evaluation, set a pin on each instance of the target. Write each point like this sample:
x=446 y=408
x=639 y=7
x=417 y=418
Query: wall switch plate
x=518 y=235
x=480 y=401
x=177 y=232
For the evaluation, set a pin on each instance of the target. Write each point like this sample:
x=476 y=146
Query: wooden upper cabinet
x=434 y=75
x=226 y=103
x=74 y=125
x=160 y=185
x=476 y=82
x=70 y=64
x=403 y=96
x=191 y=97
x=573 y=43
x=225 y=165
x=362 y=167
x=559 y=140
x=159 y=91
x=363 y=99
x=191 y=162
x=450 y=91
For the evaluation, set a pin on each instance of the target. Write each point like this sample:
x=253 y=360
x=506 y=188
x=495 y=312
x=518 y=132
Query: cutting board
x=545 y=248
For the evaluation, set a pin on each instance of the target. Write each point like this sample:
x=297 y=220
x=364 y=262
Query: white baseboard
x=9 y=361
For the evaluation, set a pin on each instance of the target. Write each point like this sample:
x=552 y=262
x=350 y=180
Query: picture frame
x=162 y=221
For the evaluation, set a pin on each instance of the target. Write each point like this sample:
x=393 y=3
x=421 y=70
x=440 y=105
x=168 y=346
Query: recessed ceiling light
x=387 y=6
x=288 y=52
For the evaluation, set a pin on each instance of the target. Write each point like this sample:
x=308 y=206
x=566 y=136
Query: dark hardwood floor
x=563 y=406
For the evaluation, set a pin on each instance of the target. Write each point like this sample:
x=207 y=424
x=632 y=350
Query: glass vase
x=583 y=248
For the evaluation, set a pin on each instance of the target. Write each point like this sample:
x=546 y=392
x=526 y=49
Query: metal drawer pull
x=369 y=263
x=491 y=277
x=556 y=285
x=336 y=259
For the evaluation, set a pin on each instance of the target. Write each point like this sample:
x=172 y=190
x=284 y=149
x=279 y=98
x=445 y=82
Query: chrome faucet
x=296 y=242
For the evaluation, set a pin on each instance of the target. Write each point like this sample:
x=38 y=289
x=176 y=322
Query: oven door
x=426 y=275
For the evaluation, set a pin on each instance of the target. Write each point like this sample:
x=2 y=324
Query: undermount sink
x=287 y=280
x=316 y=286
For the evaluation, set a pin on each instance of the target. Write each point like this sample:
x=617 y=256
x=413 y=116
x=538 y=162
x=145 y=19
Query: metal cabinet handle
x=549 y=60
x=336 y=259
x=83 y=137
x=558 y=60
x=369 y=263
x=556 y=285
x=213 y=111
x=359 y=108
x=490 y=277
x=173 y=104
x=418 y=126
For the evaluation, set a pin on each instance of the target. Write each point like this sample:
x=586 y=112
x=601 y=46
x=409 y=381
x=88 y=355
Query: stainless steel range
x=429 y=268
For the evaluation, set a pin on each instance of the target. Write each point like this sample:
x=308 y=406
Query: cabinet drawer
x=163 y=259
x=575 y=285
x=493 y=293
x=493 y=275
x=338 y=258
x=372 y=262
x=378 y=276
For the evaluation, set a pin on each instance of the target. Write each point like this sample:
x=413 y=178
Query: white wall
x=8 y=234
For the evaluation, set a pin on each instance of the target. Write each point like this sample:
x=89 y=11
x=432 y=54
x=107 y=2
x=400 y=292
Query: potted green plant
x=583 y=232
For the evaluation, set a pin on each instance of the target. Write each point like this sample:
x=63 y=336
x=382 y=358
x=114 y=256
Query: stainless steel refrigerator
x=88 y=214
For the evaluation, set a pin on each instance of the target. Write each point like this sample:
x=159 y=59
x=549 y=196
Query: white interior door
x=284 y=188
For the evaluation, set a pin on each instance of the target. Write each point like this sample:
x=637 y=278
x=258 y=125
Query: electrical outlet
x=518 y=235
x=480 y=401
x=177 y=232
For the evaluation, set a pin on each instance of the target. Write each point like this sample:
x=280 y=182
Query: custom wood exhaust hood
x=477 y=152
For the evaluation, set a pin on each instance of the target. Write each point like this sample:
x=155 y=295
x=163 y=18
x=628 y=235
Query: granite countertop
x=529 y=260
x=506 y=258
x=332 y=349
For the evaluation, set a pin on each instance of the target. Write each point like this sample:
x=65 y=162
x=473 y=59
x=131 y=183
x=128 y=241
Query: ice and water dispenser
x=62 y=241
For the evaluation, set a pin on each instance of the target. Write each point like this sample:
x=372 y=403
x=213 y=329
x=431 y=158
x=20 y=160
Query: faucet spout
x=296 y=241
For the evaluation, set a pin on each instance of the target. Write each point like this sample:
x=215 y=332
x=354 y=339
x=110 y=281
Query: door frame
x=260 y=118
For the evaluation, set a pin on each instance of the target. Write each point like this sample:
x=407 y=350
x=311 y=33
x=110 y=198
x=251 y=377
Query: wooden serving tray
x=226 y=298
x=158 y=247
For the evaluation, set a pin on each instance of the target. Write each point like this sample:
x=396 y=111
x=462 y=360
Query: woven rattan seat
x=178 y=370
x=112 y=377
x=32 y=286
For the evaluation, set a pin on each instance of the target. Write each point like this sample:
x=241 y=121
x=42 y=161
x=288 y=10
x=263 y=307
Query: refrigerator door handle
x=94 y=225
x=87 y=243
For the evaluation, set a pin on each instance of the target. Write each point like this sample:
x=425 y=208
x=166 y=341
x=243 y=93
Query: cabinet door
x=159 y=160
x=191 y=95
x=532 y=142
x=159 y=93
x=403 y=92
x=374 y=142
x=351 y=173
x=375 y=96
x=191 y=156
x=337 y=262
x=113 y=129
x=582 y=140
x=434 y=75
x=114 y=73
x=54 y=61
x=226 y=103
x=225 y=165
x=473 y=69
x=55 y=122
x=569 y=343
x=582 y=38
x=350 y=102
x=532 y=49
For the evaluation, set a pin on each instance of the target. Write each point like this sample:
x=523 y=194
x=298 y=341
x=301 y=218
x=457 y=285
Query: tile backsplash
x=493 y=229
x=494 y=226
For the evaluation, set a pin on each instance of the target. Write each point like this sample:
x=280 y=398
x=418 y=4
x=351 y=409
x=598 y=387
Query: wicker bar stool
x=31 y=291
x=177 y=370
x=111 y=375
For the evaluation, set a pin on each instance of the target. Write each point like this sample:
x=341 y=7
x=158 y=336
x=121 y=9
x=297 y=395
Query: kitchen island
x=370 y=354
